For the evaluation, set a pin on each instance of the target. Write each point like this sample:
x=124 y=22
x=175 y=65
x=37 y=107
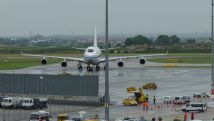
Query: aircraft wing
x=110 y=48
x=129 y=57
x=57 y=57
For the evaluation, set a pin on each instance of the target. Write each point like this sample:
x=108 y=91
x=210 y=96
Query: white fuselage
x=91 y=55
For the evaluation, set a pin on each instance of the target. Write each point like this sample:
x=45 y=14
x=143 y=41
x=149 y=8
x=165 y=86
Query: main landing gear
x=79 y=67
x=90 y=68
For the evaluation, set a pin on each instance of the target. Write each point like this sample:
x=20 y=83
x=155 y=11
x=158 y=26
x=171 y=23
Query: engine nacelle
x=142 y=61
x=63 y=64
x=120 y=64
x=44 y=61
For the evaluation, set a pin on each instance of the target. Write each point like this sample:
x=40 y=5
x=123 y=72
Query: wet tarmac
x=171 y=81
x=174 y=81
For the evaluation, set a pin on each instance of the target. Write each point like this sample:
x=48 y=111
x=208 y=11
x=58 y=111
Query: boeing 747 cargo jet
x=92 y=57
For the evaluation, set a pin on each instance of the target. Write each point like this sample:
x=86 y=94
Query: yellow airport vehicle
x=137 y=98
x=62 y=117
x=150 y=85
x=131 y=89
x=129 y=102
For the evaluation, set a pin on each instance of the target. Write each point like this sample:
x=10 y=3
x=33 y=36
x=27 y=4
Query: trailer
x=34 y=103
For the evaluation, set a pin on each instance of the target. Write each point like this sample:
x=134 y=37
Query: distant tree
x=129 y=41
x=138 y=40
x=163 y=40
x=174 y=39
x=118 y=45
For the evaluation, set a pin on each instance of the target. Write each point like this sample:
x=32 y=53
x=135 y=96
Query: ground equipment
x=138 y=97
x=62 y=117
x=150 y=85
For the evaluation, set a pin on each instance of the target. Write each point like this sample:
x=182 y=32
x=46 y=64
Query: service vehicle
x=168 y=99
x=63 y=117
x=34 y=103
x=178 y=100
x=194 y=106
x=181 y=100
x=138 y=96
x=130 y=118
x=1 y=98
x=76 y=119
x=130 y=102
x=202 y=95
x=150 y=85
x=11 y=102
x=40 y=116
x=186 y=99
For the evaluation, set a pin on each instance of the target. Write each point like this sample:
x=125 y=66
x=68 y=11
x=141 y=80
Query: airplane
x=92 y=57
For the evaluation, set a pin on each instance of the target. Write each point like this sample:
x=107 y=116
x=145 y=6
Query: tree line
x=161 y=40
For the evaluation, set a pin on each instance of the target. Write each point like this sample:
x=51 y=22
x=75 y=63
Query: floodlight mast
x=107 y=97
x=212 y=53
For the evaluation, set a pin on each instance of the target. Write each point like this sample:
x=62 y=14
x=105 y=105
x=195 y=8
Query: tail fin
x=95 y=36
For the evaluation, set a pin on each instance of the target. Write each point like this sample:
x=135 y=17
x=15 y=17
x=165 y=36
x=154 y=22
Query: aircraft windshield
x=90 y=50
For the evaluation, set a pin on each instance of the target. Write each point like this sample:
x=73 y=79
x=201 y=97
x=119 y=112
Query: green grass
x=196 y=58
x=17 y=63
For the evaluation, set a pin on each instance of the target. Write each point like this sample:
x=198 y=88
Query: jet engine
x=142 y=61
x=44 y=61
x=120 y=64
x=63 y=63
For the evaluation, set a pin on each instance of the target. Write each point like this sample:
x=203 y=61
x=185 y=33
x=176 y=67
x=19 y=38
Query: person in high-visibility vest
x=154 y=100
x=192 y=116
x=185 y=116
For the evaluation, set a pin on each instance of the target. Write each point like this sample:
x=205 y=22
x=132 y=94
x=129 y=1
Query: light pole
x=43 y=83
x=212 y=85
x=107 y=98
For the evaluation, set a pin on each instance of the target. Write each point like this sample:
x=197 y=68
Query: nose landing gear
x=89 y=69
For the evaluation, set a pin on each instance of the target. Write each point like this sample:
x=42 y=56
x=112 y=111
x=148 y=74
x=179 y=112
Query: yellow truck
x=137 y=98
x=62 y=117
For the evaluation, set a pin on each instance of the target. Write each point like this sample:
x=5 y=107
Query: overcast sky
x=49 y=17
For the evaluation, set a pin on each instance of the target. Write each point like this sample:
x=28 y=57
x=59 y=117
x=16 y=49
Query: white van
x=11 y=102
x=195 y=106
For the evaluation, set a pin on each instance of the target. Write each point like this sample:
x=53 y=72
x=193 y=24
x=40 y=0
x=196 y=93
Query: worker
x=147 y=105
x=146 y=98
x=192 y=116
x=185 y=116
x=154 y=100
x=144 y=105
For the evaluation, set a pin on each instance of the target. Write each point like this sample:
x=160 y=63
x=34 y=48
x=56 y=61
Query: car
x=76 y=119
x=178 y=100
x=130 y=119
x=40 y=116
x=168 y=99
x=186 y=99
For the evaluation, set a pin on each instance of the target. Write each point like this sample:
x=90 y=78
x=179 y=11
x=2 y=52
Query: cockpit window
x=90 y=50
